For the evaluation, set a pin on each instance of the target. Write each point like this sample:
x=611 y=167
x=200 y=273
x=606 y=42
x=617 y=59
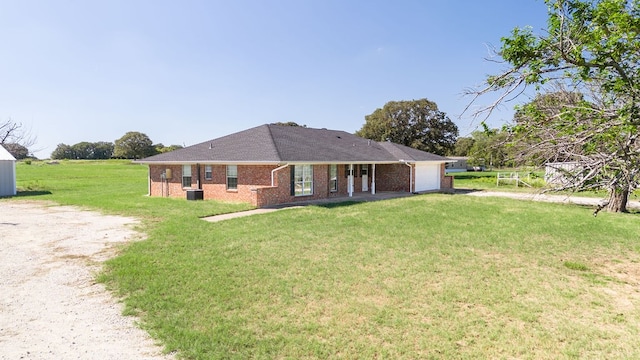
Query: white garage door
x=427 y=177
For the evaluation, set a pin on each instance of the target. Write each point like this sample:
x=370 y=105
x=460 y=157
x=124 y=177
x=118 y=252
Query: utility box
x=195 y=194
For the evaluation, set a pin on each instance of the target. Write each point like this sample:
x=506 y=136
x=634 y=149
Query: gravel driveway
x=565 y=199
x=50 y=306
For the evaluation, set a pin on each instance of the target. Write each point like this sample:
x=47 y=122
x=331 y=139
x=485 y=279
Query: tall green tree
x=415 y=123
x=83 y=150
x=591 y=47
x=133 y=145
x=462 y=147
x=63 y=151
x=103 y=150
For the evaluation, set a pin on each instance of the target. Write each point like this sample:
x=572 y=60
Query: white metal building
x=7 y=173
x=561 y=172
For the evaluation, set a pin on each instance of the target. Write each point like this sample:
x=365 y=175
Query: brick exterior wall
x=171 y=187
x=281 y=192
x=392 y=177
x=254 y=182
x=446 y=181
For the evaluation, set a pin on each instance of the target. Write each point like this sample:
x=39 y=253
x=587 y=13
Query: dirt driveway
x=50 y=306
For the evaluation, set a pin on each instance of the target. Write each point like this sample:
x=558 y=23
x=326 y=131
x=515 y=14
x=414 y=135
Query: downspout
x=198 y=175
x=273 y=172
x=410 y=175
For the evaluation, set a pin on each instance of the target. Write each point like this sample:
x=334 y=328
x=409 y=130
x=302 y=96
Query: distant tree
x=16 y=150
x=416 y=123
x=289 y=123
x=63 y=151
x=160 y=148
x=133 y=145
x=102 y=150
x=83 y=150
x=462 y=147
x=490 y=148
x=14 y=133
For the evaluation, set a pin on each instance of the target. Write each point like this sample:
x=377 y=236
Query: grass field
x=430 y=276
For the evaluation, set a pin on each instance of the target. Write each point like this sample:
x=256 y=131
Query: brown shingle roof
x=280 y=144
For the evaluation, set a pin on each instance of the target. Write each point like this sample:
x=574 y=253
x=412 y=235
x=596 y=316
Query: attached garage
x=427 y=177
x=7 y=173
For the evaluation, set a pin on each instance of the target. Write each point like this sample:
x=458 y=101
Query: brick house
x=273 y=164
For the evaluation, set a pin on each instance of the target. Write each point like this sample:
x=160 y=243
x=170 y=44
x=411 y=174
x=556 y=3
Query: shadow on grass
x=340 y=204
x=471 y=176
x=28 y=193
x=462 y=191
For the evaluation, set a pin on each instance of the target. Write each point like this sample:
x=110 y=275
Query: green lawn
x=429 y=276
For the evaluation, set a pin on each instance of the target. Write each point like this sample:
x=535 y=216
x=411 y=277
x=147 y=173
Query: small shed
x=7 y=173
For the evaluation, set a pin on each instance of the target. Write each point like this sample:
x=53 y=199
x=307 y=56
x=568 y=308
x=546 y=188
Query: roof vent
x=210 y=146
x=338 y=136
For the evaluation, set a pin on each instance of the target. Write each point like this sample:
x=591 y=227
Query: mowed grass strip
x=430 y=276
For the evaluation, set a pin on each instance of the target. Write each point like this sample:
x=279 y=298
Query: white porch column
x=350 y=181
x=373 y=179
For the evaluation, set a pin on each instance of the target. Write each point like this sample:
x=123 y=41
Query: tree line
x=133 y=145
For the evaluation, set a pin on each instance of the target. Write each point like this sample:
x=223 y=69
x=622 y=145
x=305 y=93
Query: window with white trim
x=303 y=180
x=333 y=177
x=232 y=177
x=186 y=176
x=208 y=173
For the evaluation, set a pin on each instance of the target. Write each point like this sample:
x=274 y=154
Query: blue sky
x=184 y=72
